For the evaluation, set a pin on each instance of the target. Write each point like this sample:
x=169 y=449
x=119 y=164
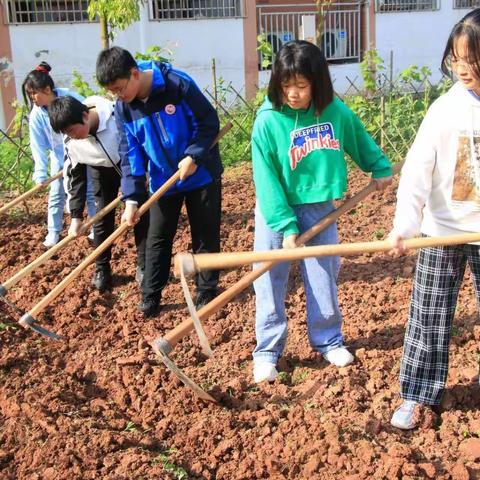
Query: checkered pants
x=438 y=278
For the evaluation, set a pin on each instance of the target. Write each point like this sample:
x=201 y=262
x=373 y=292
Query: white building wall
x=416 y=38
x=343 y=76
x=75 y=46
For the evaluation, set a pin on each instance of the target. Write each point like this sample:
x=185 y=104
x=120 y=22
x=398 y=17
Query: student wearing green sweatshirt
x=299 y=140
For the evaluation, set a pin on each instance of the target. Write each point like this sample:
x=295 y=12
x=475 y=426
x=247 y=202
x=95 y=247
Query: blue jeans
x=56 y=198
x=324 y=320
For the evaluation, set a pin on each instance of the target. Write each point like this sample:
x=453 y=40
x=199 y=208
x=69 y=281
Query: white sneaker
x=51 y=239
x=403 y=415
x=340 y=357
x=264 y=371
x=91 y=235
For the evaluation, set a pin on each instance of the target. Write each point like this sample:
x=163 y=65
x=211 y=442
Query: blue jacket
x=174 y=122
x=43 y=139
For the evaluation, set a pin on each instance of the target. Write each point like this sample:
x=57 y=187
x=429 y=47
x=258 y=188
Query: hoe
x=12 y=281
x=163 y=346
x=189 y=264
x=28 y=319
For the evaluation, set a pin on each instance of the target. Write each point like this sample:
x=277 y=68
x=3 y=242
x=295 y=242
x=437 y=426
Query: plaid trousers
x=438 y=277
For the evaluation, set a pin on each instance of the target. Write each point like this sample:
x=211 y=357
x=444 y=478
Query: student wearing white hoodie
x=439 y=194
x=91 y=145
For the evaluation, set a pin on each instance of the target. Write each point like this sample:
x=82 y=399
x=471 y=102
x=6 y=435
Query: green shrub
x=16 y=169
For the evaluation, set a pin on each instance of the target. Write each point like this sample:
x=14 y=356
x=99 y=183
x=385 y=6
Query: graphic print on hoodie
x=466 y=180
x=306 y=140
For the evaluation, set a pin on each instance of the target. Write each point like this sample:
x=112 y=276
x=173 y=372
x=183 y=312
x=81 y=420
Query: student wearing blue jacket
x=39 y=91
x=166 y=124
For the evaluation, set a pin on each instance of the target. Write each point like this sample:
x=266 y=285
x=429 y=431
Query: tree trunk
x=104 y=32
x=322 y=7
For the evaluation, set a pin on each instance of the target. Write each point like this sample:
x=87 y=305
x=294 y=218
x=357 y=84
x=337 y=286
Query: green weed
x=7 y=326
x=299 y=377
x=178 y=473
x=131 y=427
x=282 y=377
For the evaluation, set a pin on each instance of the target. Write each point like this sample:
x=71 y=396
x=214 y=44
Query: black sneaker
x=150 y=305
x=204 y=297
x=139 y=274
x=102 y=280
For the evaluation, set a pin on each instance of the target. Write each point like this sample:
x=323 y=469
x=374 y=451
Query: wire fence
x=391 y=110
x=16 y=163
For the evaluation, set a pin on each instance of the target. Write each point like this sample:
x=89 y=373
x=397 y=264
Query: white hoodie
x=100 y=150
x=439 y=190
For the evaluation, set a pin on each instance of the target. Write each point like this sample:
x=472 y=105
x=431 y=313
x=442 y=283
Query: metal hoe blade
x=45 y=332
x=193 y=313
x=27 y=321
x=157 y=348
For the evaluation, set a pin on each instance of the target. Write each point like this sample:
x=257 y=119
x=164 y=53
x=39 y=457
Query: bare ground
x=99 y=404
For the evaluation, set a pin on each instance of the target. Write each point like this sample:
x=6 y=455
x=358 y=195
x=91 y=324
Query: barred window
x=466 y=3
x=46 y=11
x=407 y=5
x=194 y=9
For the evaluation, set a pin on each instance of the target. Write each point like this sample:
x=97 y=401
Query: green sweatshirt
x=298 y=158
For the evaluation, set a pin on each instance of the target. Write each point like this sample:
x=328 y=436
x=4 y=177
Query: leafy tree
x=114 y=15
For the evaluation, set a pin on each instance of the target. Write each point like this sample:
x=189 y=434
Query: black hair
x=468 y=26
x=38 y=79
x=301 y=58
x=113 y=64
x=64 y=112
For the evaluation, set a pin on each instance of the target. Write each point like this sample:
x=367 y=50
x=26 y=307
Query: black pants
x=204 y=210
x=106 y=184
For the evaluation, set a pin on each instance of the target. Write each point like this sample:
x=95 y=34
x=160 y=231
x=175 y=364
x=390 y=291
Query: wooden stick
x=214 y=261
x=172 y=337
x=30 y=192
x=52 y=251
x=50 y=297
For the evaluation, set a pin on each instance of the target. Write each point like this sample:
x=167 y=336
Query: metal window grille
x=340 y=39
x=195 y=9
x=46 y=11
x=408 y=5
x=466 y=3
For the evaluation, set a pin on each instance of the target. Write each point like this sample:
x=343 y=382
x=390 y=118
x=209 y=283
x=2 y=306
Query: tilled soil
x=100 y=405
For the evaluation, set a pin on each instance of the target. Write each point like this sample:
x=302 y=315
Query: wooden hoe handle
x=215 y=261
x=30 y=192
x=52 y=251
x=50 y=297
x=172 y=337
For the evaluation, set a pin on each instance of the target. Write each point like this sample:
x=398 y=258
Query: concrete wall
x=75 y=46
x=417 y=38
